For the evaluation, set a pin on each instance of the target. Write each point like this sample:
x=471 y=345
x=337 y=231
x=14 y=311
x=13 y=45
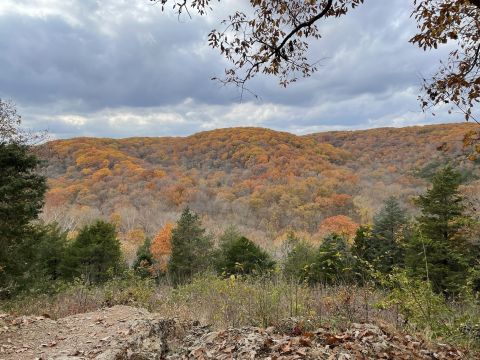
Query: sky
x=122 y=68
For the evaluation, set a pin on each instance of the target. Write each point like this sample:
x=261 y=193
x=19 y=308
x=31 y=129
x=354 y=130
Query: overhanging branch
x=476 y=3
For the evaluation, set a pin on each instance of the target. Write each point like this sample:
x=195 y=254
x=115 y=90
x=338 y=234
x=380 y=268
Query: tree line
x=440 y=245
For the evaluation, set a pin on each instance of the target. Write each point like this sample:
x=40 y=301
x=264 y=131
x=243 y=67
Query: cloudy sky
x=118 y=68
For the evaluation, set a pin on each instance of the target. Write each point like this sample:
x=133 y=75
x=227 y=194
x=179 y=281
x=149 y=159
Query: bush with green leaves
x=423 y=309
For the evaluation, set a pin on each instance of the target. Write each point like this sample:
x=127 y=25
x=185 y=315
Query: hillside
x=256 y=178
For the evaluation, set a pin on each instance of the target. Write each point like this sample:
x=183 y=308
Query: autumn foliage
x=161 y=248
x=340 y=224
x=263 y=180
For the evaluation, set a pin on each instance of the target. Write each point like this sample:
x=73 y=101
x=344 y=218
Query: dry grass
x=217 y=301
x=264 y=302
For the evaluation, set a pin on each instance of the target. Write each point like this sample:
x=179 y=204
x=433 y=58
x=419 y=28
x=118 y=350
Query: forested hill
x=264 y=181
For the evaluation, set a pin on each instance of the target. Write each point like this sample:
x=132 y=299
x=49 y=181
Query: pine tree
x=439 y=252
x=333 y=261
x=442 y=207
x=363 y=245
x=364 y=251
x=21 y=199
x=299 y=260
x=229 y=236
x=50 y=250
x=144 y=261
x=388 y=234
x=191 y=248
x=242 y=256
x=94 y=254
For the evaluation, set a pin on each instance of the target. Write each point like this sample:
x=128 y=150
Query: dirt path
x=114 y=333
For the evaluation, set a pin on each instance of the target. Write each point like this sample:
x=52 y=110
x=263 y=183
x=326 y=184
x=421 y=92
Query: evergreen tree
x=50 y=250
x=299 y=260
x=144 y=262
x=94 y=254
x=229 y=236
x=191 y=248
x=442 y=207
x=381 y=246
x=333 y=261
x=439 y=252
x=21 y=199
x=388 y=233
x=364 y=252
x=363 y=245
x=242 y=256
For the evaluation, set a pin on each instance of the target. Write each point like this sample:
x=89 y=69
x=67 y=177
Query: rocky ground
x=123 y=332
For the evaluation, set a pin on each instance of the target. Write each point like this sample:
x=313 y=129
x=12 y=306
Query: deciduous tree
x=161 y=249
x=457 y=82
x=272 y=38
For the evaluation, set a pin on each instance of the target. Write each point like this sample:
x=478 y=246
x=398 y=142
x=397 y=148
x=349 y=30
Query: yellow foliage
x=100 y=174
x=135 y=236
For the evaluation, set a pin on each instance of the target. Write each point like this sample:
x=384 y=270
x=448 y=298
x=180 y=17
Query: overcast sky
x=118 y=68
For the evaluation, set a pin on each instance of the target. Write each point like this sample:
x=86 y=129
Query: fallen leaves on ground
x=361 y=341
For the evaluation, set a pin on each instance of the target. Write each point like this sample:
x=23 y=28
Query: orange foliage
x=338 y=224
x=56 y=197
x=161 y=247
x=100 y=174
x=116 y=219
x=268 y=179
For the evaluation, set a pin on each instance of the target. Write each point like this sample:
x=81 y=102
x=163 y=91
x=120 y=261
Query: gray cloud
x=122 y=68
